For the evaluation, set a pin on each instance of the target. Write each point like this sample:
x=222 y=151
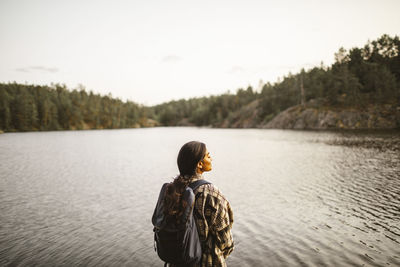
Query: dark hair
x=189 y=156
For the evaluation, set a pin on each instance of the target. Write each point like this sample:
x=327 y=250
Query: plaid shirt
x=214 y=219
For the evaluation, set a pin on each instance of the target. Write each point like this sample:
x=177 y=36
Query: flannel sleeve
x=222 y=222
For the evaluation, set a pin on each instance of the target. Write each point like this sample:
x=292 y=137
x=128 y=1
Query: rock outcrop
x=245 y=117
x=371 y=117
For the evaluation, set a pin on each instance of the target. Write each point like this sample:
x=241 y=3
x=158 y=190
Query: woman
x=212 y=211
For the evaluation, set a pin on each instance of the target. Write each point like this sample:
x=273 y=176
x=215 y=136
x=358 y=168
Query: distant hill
x=361 y=90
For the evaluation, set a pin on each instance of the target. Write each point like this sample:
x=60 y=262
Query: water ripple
x=299 y=198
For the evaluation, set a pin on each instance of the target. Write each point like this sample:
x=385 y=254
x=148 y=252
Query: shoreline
x=338 y=130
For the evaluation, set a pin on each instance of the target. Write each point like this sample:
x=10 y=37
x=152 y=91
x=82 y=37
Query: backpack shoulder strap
x=198 y=183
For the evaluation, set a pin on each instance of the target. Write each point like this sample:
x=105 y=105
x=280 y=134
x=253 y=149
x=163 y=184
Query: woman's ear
x=200 y=165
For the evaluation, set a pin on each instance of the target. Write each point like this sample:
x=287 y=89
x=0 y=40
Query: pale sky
x=153 y=51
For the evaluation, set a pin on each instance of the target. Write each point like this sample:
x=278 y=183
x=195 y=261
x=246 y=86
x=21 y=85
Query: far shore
x=344 y=130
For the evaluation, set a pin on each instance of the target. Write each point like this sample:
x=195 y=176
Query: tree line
x=358 y=78
x=32 y=107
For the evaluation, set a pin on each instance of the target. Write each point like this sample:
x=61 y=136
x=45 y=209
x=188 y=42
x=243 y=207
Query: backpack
x=177 y=243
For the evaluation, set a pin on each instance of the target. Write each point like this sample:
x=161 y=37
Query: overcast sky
x=154 y=51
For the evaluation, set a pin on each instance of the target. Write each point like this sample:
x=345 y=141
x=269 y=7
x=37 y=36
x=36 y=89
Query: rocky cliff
x=313 y=118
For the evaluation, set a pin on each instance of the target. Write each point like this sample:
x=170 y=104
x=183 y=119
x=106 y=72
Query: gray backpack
x=177 y=243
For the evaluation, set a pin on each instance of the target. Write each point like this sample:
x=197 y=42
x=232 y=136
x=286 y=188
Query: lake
x=300 y=198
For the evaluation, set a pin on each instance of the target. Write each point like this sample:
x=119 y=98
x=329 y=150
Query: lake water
x=299 y=198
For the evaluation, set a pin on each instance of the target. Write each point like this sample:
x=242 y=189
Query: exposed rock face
x=314 y=116
x=373 y=117
x=246 y=117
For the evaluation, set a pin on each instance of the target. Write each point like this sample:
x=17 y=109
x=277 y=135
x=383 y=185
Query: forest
x=359 y=78
x=44 y=108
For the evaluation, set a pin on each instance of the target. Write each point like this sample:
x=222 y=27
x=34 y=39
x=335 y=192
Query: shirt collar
x=193 y=178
